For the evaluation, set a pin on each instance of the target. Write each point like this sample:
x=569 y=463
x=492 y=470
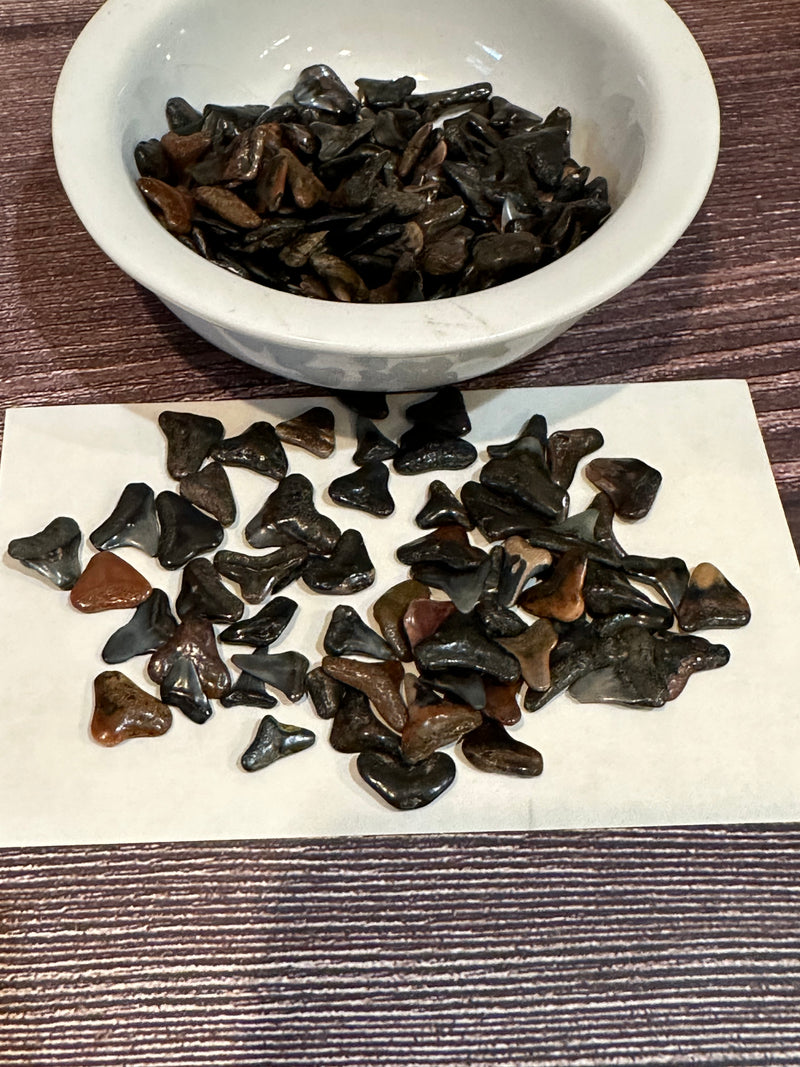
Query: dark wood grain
x=670 y=946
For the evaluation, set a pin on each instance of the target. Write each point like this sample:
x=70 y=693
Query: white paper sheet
x=727 y=750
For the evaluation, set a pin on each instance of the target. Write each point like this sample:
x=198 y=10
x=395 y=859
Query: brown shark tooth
x=109 y=582
x=190 y=438
x=380 y=682
x=312 y=430
x=632 y=484
x=123 y=710
x=491 y=748
x=711 y=600
x=210 y=489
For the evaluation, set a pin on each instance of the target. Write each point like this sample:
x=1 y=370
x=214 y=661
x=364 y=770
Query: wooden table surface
x=672 y=946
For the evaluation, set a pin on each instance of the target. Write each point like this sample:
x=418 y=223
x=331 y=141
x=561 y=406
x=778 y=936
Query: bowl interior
x=627 y=70
x=534 y=52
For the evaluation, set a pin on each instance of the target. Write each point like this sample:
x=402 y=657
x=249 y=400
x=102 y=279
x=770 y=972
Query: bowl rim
x=608 y=262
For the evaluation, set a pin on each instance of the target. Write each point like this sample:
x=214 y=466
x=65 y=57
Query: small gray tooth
x=366 y=488
x=152 y=624
x=54 y=552
x=133 y=522
x=264 y=627
x=442 y=508
x=186 y=531
x=181 y=688
x=348 y=634
x=202 y=593
x=285 y=671
x=249 y=691
x=274 y=741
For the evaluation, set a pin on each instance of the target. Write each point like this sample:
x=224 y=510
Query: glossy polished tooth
x=607 y=686
x=190 y=438
x=355 y=728
x=319 y=87
x=389 y=611
x=313 y=430
x=152 y=624
x=261 y=629
x=337 y=140
x=565 y=450
x=459 y=645
x=631 y=484
x=181 y=688
x=442 y=508
x=202 y=593
x=348 y=569
x=210 y=489
x=186 y=531
x=491 y=748
x=258 y=448
x=109 y=582
x=54 y=552
x=250 y=692
x=371 y=444
x=366 y=488
x=424 y=448
x=289 y=515
x=434 y=726
x=406 y=786
x=380 y=682
x=285 y=671
x=258 y=576
x=194 y=639
x=711 y=600
x=525 y=479
x=347 y=634
x=561 y=595
x=273 y=741
x=133 y=522
x=448 y=545
x=122 y=710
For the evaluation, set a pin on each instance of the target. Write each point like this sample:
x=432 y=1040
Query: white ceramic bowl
x=645 y=116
